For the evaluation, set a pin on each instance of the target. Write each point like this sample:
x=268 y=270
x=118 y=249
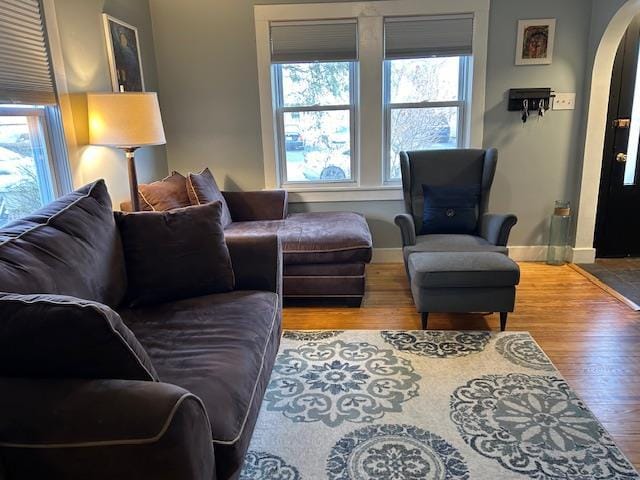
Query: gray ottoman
x=460 y=282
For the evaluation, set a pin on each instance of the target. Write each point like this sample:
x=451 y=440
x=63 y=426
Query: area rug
x=398 y=405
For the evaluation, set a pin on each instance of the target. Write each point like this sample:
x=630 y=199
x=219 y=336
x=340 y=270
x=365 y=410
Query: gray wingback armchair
x=456 y=168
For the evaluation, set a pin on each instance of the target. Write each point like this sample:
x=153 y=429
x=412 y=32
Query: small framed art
x=535 y=41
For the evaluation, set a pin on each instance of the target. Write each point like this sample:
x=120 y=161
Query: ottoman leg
x=425 y=319
x=503 y=321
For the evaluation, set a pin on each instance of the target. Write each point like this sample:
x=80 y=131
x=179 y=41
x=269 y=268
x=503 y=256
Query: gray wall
x=209 y=94
x=539 y=160
x=86 y=66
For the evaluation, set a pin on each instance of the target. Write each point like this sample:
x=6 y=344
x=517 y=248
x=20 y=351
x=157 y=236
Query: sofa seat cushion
x=315 y=238
x=462 y=270
x=221 y=348
x=452 y=243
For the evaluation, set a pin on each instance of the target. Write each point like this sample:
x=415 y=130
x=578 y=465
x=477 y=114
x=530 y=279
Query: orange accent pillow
x=166 y=194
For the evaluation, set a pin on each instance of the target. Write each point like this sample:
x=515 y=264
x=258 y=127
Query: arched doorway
x=595 y=129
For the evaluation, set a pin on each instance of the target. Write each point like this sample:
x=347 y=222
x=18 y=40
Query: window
x=316 y=109
x=424 y=106
x=26 y=180
x=344 y=87
x=33 y=161
x=425 y=84
x=314 y=71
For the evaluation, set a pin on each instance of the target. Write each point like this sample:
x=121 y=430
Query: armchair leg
x=425 y=319
x=503 y=321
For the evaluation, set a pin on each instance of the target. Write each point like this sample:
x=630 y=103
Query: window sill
x=344 y=194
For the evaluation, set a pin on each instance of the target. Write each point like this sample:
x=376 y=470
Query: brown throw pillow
x=57 y=336
x=202 y=188
x=176 y=254
x=166 y=194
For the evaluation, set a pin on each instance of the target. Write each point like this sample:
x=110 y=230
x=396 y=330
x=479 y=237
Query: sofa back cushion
x=175 y=254
x=166 y=194
x=69 y=247
x=55 y=336
x=202 y=188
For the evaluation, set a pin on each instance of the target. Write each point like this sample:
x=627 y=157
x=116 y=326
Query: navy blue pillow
x=450 y=209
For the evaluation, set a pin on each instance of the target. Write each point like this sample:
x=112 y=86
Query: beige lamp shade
x=125 y=120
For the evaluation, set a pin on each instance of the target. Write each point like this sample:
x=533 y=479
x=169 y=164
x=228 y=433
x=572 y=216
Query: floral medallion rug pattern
x=423 y=405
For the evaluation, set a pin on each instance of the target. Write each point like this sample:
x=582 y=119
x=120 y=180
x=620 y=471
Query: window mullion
x=453 y=103
x=387 y=121
x=41 y=154
x=315 y=108
x=280 y=140
x=462 y=141
x=59 y=159
x=353 y=122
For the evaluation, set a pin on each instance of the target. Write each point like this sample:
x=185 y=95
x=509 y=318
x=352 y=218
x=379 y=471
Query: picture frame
x=535 y=41
x=123 y=51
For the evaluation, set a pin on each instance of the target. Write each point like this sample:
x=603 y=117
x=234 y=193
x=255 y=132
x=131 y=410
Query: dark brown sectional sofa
x=92 y=389
x=325 y=253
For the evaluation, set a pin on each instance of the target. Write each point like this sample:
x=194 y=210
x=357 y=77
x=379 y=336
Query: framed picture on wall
x=534 y=45
x=123 y=50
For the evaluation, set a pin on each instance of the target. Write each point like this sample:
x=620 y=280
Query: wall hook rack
x=534 y=98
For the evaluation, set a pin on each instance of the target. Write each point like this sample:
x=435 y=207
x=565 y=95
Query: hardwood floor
x=592 y=338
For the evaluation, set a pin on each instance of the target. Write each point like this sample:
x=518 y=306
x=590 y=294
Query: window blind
x=311 y=41
x=435 y=36
x=25 y=68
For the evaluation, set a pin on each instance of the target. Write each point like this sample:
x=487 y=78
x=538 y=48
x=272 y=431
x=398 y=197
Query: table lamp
x=128 y=121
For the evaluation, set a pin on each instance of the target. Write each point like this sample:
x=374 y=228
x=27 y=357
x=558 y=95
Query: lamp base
x=133 y=178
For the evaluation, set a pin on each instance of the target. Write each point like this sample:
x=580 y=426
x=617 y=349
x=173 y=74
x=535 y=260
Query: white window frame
x=461 y=104
x=352 y=107
x=370 y=167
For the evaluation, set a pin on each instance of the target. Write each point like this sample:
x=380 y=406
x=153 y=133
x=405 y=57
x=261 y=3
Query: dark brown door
x=618 y=219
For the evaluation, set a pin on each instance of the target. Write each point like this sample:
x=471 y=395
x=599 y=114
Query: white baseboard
x=582 y=255
x=531 y=253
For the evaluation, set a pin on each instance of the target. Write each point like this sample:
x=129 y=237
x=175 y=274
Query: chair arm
x=407 y=229
x=262 y=205
x=257 y=262
x=495 y=228
x=103 y=429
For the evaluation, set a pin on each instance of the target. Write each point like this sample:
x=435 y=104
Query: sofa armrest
x=257 y=262
x=103 y=429
x=407 y=229
x=262 y=205
x=495 y=228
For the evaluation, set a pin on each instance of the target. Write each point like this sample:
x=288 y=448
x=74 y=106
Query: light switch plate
x=564 y=101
